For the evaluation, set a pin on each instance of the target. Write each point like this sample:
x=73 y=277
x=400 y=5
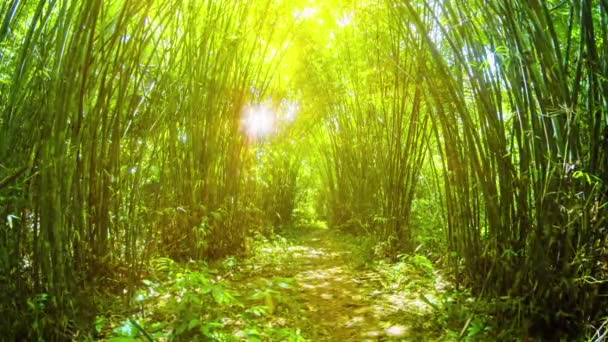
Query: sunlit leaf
x=126 y=329
x=122 y=339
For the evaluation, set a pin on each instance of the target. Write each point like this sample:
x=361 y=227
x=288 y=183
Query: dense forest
x=282 y=170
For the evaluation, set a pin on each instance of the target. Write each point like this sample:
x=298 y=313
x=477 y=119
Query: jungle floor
x=313 y=286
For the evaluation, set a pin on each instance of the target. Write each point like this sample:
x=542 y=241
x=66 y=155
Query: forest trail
x=339 y=300
x=315 y=285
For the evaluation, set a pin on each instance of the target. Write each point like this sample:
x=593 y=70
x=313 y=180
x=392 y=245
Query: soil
x=336 y=299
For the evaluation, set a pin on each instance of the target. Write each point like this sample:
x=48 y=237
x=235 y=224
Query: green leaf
x=193 y=298
x=127 y=329
x=285 y=283
x=181 y=328
x=208 y=328
x=194 y=323
x=269 y=302
x=122 y=339
x=258 y=311
x=100 y=322
x=221 y=296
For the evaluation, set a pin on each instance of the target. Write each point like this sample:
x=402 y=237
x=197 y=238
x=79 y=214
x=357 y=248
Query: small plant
x=38 y=306
x=273 y=293
x=181 y=303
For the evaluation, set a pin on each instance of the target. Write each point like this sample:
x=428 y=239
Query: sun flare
x=259 y=121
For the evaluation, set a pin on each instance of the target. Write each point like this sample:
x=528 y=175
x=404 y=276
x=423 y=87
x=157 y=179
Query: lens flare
x=259 y=121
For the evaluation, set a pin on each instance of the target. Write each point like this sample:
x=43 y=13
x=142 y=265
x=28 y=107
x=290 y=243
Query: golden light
x=290 y=110
x=346 y=19
x=259 y=121
x=304 y=14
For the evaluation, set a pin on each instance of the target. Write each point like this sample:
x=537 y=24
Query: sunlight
x=346 y=19
x=259 y=121
x=290 y=110
x=491 y=62
x=304 y=14
x=396 y=330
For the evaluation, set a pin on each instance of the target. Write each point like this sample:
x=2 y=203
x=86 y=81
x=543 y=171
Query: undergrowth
x=193 y=302
x=258 y=298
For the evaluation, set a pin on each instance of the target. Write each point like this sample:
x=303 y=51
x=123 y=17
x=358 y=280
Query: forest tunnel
x=473 y=132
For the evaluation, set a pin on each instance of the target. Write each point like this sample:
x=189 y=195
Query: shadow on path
x=340 y=302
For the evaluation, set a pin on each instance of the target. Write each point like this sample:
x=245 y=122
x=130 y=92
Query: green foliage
x=188 y=302
x=410 y=273
x=373 y=141
x=473 y=133
x=270 y=294
x=463 y=318
x=421 y=263
x=121 y=139
x=519 y=109
x=279 y=167
x=39 y=308
x=366 y=251
x=175 y=304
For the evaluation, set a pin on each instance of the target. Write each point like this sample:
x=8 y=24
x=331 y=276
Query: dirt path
x=314 y=286
x=341 y=302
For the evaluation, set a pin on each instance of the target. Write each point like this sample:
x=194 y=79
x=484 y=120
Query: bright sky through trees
x=259 y=121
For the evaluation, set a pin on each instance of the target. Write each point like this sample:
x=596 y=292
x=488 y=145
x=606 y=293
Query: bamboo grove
x=519 y=93
x=475 y=130
x=117 y=115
